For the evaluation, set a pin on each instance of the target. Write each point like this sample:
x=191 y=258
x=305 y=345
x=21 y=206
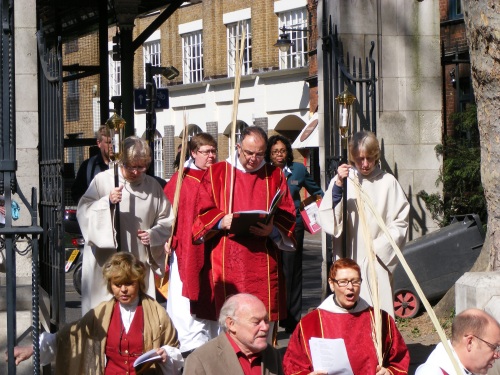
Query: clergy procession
x=230 y=277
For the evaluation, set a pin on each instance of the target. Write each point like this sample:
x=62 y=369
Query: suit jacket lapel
x=231 y=362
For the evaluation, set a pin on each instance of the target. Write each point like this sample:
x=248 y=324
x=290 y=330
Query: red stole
x=123 y=348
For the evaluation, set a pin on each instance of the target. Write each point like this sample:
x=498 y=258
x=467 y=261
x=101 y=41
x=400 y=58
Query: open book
x=145 y=361
x=243 y=220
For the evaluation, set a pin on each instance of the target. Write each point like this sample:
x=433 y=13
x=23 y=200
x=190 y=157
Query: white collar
x=127 y=313
x=329 y=305
x=191 y=165
x=241 y=168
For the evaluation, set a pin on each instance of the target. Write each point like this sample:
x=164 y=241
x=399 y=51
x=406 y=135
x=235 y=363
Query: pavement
x=312 y=295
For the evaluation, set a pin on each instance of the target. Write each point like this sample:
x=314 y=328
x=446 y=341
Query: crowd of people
x=228 y=291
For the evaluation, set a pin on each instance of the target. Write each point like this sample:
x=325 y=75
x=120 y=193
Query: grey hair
x=136 y=149
x=231 y=306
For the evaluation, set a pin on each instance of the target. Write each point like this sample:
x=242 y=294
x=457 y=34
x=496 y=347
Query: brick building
x=200 y=41
x=457 y=85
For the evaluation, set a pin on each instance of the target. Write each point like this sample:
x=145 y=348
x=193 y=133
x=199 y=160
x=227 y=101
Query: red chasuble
x=244 y=264
x=355 y=329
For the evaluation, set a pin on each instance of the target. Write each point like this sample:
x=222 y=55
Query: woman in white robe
x=145 y=221
x=389 y=200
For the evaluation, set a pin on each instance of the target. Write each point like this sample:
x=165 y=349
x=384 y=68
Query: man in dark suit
x=242 y=348
x=93 y=165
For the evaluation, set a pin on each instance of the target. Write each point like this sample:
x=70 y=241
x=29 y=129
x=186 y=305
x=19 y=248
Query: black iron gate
x=359 y=79
x=9 y=234
x=51 y=163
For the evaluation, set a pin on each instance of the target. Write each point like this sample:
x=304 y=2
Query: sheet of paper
x=330 y=355
x=313 y=212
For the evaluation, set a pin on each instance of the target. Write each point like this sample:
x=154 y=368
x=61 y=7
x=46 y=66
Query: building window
x=455 y=9
x=192 y=57
x=234 y=32
x=115 y=76
x=73 y=101
x=71 y=46
x=158 y=155
x=297 y=55
x=152 y=55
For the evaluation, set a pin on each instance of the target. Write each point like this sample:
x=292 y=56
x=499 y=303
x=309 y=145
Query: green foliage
x=460 y=174
x=447 y=322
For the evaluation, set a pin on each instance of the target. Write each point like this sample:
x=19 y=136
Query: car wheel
x=406 y=304
x=77 y=278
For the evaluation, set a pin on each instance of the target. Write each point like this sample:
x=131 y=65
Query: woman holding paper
x=111 y=337
x=349 y=319
x=279 y=153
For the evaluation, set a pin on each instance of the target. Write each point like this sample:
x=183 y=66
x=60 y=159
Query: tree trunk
x=482 y=22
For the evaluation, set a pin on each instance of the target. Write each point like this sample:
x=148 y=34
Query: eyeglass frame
x=135 y=169
x=208 y=152
x=495 y=348
x=250 y=154
x=355 y=282
x=279 y=152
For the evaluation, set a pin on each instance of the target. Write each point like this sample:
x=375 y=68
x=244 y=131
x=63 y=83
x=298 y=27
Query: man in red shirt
x=243 y=347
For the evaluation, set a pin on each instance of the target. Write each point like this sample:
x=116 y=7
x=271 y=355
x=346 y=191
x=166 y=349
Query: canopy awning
x=309 y=136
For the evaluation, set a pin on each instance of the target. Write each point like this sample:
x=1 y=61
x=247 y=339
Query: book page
x=330 y=355
x=147 y=357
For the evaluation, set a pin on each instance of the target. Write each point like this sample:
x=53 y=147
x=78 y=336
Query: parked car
x=74 y=243
x=437 y=260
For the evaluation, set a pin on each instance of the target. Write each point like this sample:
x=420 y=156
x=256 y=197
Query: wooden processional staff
x=345 y=102
x=161 y=284
x=236 y=98
x=116 y=127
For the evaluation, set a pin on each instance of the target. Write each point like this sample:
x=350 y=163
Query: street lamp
x=284 y=43
x=169 y=73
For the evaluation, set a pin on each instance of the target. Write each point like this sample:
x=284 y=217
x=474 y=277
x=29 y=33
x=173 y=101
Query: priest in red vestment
x=186 y=297
x=344 y=315
x=248 y=262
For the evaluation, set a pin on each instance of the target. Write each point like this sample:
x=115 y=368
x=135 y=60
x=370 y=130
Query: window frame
x=115 y=76
x=233 y=34
x=192 y=45
x=73 y=100
x=455 y=9
x=152 y=54
x=158 y=155
x=296 y=56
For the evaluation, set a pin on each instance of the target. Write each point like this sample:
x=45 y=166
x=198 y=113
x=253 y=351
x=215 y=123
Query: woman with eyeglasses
x=279 y=153
x=110 y=338
x=144 y=221
x=345 y=316
x=189 y=298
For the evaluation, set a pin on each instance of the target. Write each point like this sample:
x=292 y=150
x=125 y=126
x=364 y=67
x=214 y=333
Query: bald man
x=242 y=348
x=475 y=340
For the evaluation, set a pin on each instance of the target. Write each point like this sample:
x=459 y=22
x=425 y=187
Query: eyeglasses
x=212 y=151
x=495 y=348
x=344 y=283
x=257 y=155
x=278 y=152
x=135 y=169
